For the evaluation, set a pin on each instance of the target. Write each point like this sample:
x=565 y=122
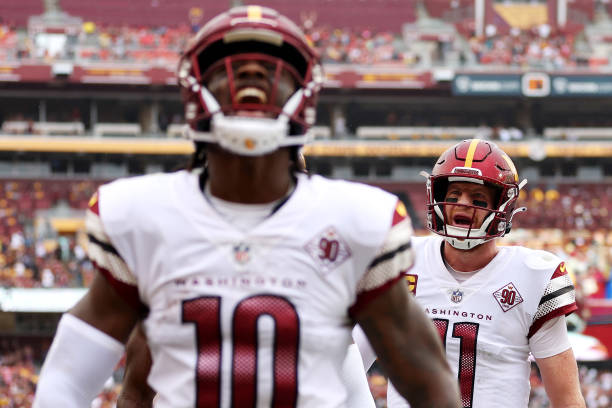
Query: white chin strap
x=249 y=136
x=477 y=236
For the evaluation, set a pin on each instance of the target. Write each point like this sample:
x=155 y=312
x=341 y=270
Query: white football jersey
x=248 y=318
x=486 y=321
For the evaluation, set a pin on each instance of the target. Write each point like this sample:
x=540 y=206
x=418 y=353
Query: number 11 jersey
x=486 y=321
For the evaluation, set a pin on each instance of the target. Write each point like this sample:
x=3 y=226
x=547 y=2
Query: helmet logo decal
x=249 y=144
x=470 y=154
x=467 y=171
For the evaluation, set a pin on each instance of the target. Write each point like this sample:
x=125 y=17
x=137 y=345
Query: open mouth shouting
x=251 y=94
x=461 y=220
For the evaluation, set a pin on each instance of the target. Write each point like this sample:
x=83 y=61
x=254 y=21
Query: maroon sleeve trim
x=366 y=297
x=93 y=204
x=399 y=214
x=559 y=271
x=129 y=293
x=562 y=311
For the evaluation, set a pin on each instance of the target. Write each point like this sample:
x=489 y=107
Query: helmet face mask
x=482 y=163
x=266 y=87
x=223 y=104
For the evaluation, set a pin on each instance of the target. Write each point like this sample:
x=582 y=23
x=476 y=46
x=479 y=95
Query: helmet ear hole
x=203 y=125
x=296 y=128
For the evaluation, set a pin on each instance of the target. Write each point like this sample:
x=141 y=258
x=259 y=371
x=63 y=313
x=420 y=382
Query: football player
x=492 y=305
x=247 y=274
x=136 y=393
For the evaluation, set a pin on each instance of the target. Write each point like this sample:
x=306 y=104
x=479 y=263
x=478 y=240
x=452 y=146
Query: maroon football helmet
x=250 y=33
x=474 y=161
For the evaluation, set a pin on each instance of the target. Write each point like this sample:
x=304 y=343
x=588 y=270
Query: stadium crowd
x=162 y=45
x=570 y=220
x=17 y=377
x=596 y=388
x=538 y=47
x=19 y=371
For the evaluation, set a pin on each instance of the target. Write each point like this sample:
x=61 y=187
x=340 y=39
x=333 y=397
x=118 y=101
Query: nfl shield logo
x=241 y=253
x=456 y=295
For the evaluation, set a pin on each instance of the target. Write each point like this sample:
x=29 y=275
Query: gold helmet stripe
x=254 y=12
x=470 y=153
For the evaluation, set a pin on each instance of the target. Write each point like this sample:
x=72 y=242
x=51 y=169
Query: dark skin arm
x=104 y=309
x=136 y=393
x=409 y=349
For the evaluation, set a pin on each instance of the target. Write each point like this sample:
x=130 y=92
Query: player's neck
x=469 y=260
x=249 y=180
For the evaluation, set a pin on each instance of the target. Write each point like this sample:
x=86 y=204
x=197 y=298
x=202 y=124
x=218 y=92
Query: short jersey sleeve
x=551 y=339
x=106 y=259
x=392 y=260
x=559 y=299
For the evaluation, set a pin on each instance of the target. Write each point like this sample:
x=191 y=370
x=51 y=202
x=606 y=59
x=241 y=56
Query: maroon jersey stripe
x=129 y=293
x=560 y=271
x=366 y=297
x=399 y=214
x=562 y=311
x=93 y=204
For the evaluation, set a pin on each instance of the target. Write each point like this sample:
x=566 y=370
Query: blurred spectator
x=539 y=47
x=17 y=378
x=596 y=388
x=19 y=375
x=572 y=220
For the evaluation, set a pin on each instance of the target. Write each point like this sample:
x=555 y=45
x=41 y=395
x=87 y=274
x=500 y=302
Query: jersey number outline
x=205 y=313
x=467 y=333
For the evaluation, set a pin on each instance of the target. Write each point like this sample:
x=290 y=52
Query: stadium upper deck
x=373 y=14
x=413 y=33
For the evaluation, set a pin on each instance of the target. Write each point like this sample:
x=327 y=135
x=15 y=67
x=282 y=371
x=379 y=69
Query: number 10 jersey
x=248 y=318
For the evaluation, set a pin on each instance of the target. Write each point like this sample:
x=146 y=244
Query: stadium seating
x=141 y=12
x=117 y=129
x=43 y=128
x=416 y=133
x=17 y=12
x=578 y=133
x=379 y=14
x=370 y=14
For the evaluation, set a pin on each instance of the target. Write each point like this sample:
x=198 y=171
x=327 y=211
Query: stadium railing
x=578 y=133
x=43 y=128
x=410 y=132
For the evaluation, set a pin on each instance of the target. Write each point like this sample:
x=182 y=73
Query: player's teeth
x=251 y=93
